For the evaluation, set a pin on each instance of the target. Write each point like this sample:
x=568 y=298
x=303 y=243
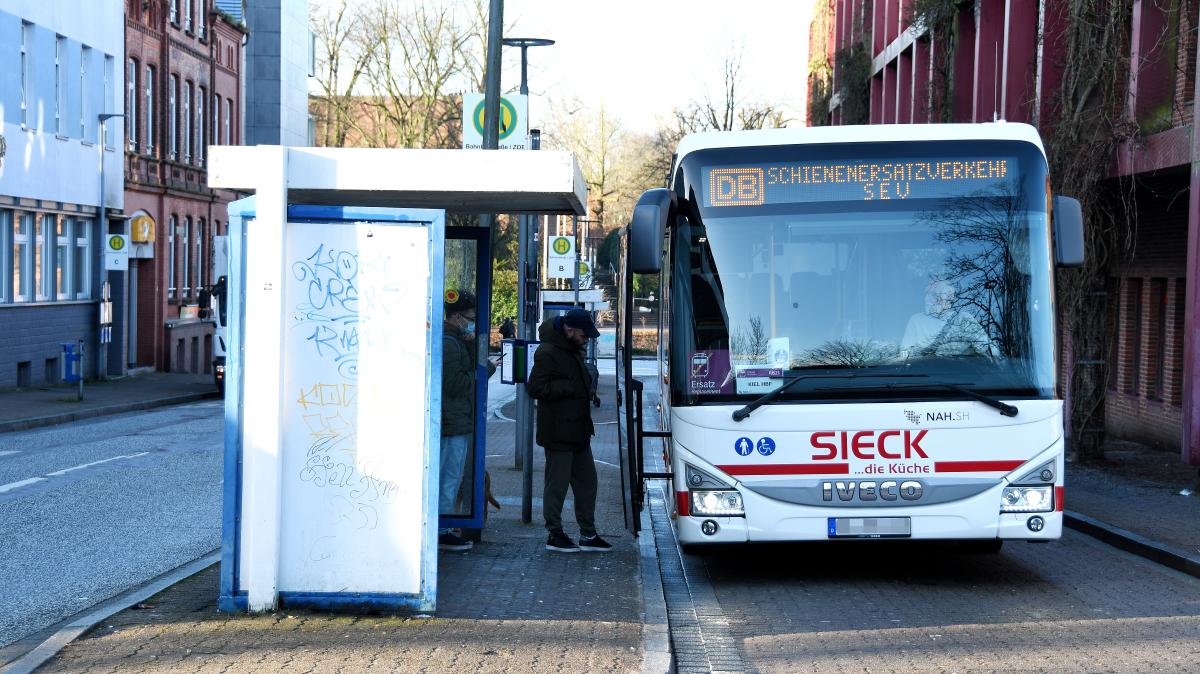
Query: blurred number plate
x=870 y=527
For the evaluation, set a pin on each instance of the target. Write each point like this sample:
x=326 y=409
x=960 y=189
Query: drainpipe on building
x=1191 y=365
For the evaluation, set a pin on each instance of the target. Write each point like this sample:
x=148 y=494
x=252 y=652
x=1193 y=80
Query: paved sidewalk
x=509 y=605
x=506 y=606
x=1142 y=500
x=21 y=409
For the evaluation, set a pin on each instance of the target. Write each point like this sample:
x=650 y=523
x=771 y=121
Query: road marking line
x=22 y=483
x=10 y=452
x=64 y=471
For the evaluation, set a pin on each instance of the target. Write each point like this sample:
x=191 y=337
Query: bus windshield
x=926 y=259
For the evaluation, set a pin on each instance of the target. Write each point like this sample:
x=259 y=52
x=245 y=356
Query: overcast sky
x=644 y=57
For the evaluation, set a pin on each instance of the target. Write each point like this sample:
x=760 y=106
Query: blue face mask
x=469 y=328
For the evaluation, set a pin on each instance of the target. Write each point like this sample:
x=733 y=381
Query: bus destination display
x=858 y=180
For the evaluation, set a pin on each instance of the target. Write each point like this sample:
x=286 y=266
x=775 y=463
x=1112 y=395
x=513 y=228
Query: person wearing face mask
x=561 y=384
x=458 y=404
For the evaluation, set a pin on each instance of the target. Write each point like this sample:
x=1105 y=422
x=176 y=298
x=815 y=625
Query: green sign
x=508 y=117
x=561 y=245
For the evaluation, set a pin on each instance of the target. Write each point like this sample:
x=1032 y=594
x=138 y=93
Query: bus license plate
x=870 y=527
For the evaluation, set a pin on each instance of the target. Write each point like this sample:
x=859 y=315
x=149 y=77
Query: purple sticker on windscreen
x=709 y=374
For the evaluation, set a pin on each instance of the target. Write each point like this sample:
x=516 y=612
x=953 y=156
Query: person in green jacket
x=561 y=384
x=458 y=404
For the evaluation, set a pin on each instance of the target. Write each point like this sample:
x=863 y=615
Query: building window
x=1158 y=358
x=172 y=117
x=107 y=99
x=205 y=275
x=185 y=249
x=229 y=123
x=60 y=85
x=26 y=72
x=201 y=125
x=85 y=55
x=22 y=224
x=187 y=16
x=1133 y=316
x=131 y=105
x=174 y=12
x=81 y=268
x=201 y=20
x=7 y=261
x=62 y=258
x=42 y=236
x=171 y=292
x=186 y=117
x=216 y=115
x=149 y=112
x=198 y=255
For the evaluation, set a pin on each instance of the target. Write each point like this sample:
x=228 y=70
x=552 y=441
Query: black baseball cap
x=581 y=320
x=459 y=301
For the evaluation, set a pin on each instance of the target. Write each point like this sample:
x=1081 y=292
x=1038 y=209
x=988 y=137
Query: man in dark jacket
x=458 y=404
x=561 y=385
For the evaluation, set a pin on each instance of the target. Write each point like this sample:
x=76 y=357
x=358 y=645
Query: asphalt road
x=93 y=508
x=1073 y=605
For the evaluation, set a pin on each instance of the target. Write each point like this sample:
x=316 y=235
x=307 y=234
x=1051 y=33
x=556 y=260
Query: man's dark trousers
x=574 y=468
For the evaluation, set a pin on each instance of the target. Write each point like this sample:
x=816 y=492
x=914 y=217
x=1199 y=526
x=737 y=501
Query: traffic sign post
x=560 y=257
x=116 y=252
x=514 y=122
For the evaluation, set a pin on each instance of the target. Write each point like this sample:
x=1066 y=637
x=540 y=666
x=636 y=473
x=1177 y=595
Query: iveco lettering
x=856 y=337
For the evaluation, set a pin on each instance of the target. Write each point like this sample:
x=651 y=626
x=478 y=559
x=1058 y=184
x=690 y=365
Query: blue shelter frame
x=231 y=597
x=483 y=311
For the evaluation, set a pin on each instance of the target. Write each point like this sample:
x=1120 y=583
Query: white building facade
x=60 y=70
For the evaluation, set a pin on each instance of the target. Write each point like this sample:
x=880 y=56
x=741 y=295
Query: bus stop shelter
x=332 y=427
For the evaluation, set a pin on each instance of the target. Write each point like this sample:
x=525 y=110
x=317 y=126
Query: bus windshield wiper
x=1005 y=409
x=768 y=397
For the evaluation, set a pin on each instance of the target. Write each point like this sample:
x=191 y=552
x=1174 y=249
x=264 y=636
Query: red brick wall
x=1146 y=392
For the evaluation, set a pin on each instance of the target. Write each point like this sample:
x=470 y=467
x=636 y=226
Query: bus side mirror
x=1067 y=218
x=647 y=228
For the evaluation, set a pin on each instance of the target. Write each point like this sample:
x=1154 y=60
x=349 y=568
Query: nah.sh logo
x=913 y=417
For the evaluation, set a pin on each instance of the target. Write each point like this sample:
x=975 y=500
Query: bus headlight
x=1027 y=500
x=712 y=502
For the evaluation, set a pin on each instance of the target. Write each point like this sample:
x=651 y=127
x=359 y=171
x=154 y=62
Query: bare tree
x=342 y=58
x=392 y=72
x=607 y=155
x=728 y=112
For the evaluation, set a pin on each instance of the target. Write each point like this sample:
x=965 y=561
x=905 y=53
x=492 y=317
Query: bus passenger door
x=629 y=395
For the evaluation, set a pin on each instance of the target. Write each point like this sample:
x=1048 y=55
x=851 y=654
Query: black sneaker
x=449 y=541
x=594 y=544
x=559 y=542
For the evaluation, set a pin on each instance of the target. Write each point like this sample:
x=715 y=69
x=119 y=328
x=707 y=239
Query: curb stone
x=42 y=653
x=1177 y=559
x=656 y=633
x=55 y=419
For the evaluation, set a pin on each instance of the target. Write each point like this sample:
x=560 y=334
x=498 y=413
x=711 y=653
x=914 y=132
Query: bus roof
x=874 y=133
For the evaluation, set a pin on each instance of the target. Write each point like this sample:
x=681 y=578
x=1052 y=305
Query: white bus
x=857 y=335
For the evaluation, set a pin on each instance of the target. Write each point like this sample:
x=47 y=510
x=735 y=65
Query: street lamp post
x=101 y=347
x=526 y=319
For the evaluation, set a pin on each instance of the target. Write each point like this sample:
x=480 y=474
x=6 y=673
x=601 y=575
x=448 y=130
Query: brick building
x=183 y=92
x=1001 y=59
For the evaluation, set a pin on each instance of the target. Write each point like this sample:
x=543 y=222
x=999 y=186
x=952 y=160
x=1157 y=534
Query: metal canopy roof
x=462 y=181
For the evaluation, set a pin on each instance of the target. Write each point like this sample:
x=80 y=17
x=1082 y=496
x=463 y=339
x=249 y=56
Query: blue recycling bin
x=71 y=363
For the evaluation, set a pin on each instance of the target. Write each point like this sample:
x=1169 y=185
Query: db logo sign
x=735 y=187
